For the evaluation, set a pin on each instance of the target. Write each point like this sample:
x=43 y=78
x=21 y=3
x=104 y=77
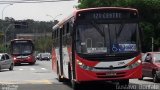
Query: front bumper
x=83 y=75
x=23 y=61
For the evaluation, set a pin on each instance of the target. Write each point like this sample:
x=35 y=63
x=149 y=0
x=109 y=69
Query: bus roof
x=21 y=39
x=92 y=9
x=106 y=8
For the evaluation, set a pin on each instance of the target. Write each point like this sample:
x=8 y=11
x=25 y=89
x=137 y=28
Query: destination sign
x=107 y=15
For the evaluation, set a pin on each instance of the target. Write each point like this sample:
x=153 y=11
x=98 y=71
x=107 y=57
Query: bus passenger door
x=65 y=61
x=61 y=53
x=65 y=53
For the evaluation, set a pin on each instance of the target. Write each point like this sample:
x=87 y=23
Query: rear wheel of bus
x=60 y=78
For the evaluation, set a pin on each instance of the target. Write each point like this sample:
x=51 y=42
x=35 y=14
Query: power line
x=31 y=1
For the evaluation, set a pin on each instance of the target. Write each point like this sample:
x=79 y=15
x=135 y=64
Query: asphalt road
x=41 y=77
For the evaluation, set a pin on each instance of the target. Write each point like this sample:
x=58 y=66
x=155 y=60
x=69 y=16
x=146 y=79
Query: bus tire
x=32 y=63
x=60 y=79
x=74 y=84
x=155 y=78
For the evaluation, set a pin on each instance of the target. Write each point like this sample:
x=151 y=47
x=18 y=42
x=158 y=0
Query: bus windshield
x=94 y=38
x=22 y=48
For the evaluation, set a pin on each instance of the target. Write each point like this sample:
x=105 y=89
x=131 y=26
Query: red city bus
x=98 y=44
x=22 y=51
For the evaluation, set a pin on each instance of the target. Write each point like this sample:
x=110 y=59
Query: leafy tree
x=44 y=44
x=33 y=27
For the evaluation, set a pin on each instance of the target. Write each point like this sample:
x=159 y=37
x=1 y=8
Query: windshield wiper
x=97 y=28
x=120 y=29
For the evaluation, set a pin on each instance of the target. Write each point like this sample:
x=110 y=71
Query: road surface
x=41 y=77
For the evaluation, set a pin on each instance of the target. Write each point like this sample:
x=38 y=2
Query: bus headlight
x=133 y=65
x=14 y=58
x=83 y=66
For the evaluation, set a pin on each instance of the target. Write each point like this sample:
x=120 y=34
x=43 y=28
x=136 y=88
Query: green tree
x=44 y=44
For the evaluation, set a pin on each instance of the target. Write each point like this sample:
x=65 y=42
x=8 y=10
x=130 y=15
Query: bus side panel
x=54 y=60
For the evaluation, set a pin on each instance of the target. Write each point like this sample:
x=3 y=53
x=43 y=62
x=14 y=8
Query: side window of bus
x=63 y=35
x=67 y=28
x=63 y=30
x=68 y=37
x=55 y=37
x=58 y=36
x=70 y=27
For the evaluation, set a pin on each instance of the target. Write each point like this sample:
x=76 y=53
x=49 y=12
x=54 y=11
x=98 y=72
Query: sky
x=47 y=11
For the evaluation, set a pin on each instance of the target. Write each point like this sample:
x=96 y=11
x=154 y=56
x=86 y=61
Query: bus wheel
x=75 y=85
x=32 y=63
x=155 y=78
x=60 y=79
x=124 y=82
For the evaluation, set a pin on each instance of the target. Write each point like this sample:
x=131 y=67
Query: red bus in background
x=98 y=44
x=22 y=51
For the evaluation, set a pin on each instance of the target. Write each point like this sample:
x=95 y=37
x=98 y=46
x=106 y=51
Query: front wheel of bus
x=155 y=78
x=75 y=85
x=32 y=63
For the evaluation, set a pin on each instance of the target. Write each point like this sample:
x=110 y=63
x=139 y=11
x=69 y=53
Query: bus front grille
x=110 y=75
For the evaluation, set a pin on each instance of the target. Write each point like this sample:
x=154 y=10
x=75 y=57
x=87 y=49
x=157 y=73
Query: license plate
x=111 y=74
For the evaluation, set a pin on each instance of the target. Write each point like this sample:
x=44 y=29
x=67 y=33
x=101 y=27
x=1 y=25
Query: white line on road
x=21 y=69
x=43 y=68
x=32 y=69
